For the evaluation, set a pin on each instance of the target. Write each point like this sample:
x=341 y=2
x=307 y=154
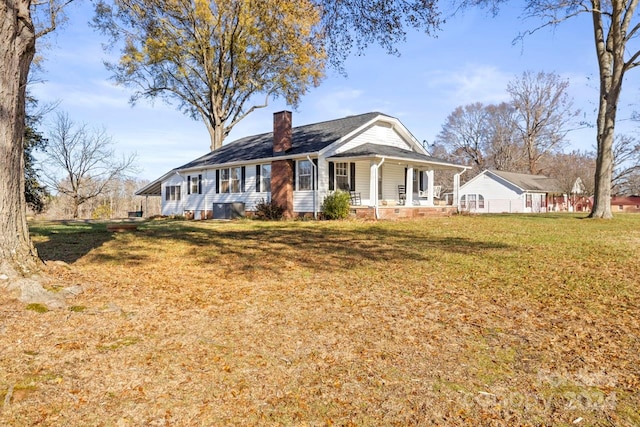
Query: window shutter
x=405 y=177
x=188 y=184
x=315 y=174
x=217 y=181
x=352 y=176
x=258 y=169
x=295 y=173
x=421 y=181
x=332 y=178
x=167 y=192
x=199 y=184
x=243 y=175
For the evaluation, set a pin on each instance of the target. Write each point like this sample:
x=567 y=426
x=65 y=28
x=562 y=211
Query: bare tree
x=504 y=150
x=543 y=114
x=81 y=163
x=567 y=168
x=465 y=136
x=615 y=32
x=349 y=24
x=626 y=161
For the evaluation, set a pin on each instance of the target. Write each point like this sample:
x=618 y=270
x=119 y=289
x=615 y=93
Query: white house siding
x=392 y=176
x=377 y=134
x=173 y=207
x=362 y=181
x=499 y=196
x=303 y=201
x=204 y=202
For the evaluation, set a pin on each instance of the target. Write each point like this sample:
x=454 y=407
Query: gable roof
x=528 y=182
x=376 y=150
x=304 y=139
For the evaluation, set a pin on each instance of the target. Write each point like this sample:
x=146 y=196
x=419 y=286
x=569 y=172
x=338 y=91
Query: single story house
x=493 y=191
x=625 y=204
x=373 y=156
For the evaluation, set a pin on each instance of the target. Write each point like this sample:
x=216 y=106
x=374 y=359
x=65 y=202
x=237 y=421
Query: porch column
x=409 y=186
x=373 y=184
x=456 y=190
x=430 y=176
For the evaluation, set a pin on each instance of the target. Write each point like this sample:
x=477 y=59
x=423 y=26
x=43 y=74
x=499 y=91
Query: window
x=194 y=185
x=263 y=178
x=223 y=185
x=230 y=180
x=172 y=192
x=463 y=201
x=472 y=202
x=543 y=201
x=480 y=201
x=342 y=176
x=528 y=201
x=236 y=177
x=305 y=177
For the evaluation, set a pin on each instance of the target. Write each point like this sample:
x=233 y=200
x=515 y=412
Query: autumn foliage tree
x=214 y=57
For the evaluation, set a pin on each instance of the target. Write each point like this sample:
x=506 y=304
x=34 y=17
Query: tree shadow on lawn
x=68 y=240
x=253 y=247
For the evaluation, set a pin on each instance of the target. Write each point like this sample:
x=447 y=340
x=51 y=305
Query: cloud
x=340 y=102
x=470 y=84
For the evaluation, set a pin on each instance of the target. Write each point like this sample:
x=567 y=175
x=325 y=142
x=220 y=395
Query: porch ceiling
x=376 y=151
x=152 y=189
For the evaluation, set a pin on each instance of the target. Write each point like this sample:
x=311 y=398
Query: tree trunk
x=18 y=257
x=610 y=51
x=216 y=133
x=604 y=164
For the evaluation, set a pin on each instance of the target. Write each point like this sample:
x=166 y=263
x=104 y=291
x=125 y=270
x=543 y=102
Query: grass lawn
x=468 y=320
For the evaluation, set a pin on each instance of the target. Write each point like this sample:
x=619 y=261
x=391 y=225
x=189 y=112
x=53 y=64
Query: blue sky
x=471 y=60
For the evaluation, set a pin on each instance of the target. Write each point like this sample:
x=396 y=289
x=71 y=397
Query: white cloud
x=340 y=102
x=472 y=83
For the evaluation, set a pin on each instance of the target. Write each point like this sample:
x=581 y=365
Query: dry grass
x=493 y=320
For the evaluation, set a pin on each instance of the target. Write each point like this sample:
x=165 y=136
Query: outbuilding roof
x=529 y=182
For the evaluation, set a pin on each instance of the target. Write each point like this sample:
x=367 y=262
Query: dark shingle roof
x=305 y=139
x=369 y=149
x=530 y=182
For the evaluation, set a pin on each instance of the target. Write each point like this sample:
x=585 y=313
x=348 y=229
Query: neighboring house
x=494 y=191
x=371 y=155
x=625 y=204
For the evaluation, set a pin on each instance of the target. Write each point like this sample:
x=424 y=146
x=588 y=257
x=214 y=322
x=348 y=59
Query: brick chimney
x=281 y=132
x=282 y=170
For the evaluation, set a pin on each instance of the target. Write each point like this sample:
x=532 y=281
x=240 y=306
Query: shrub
x=102 y=212
x=336 y=205
x=269 y=210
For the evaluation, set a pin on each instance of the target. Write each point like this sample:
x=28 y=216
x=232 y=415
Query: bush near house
x=270 y=210
x=466 y=320
x=336 y=205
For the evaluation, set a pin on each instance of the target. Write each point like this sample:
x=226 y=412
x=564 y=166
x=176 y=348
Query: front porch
x=401 y=212
x=399 y=184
